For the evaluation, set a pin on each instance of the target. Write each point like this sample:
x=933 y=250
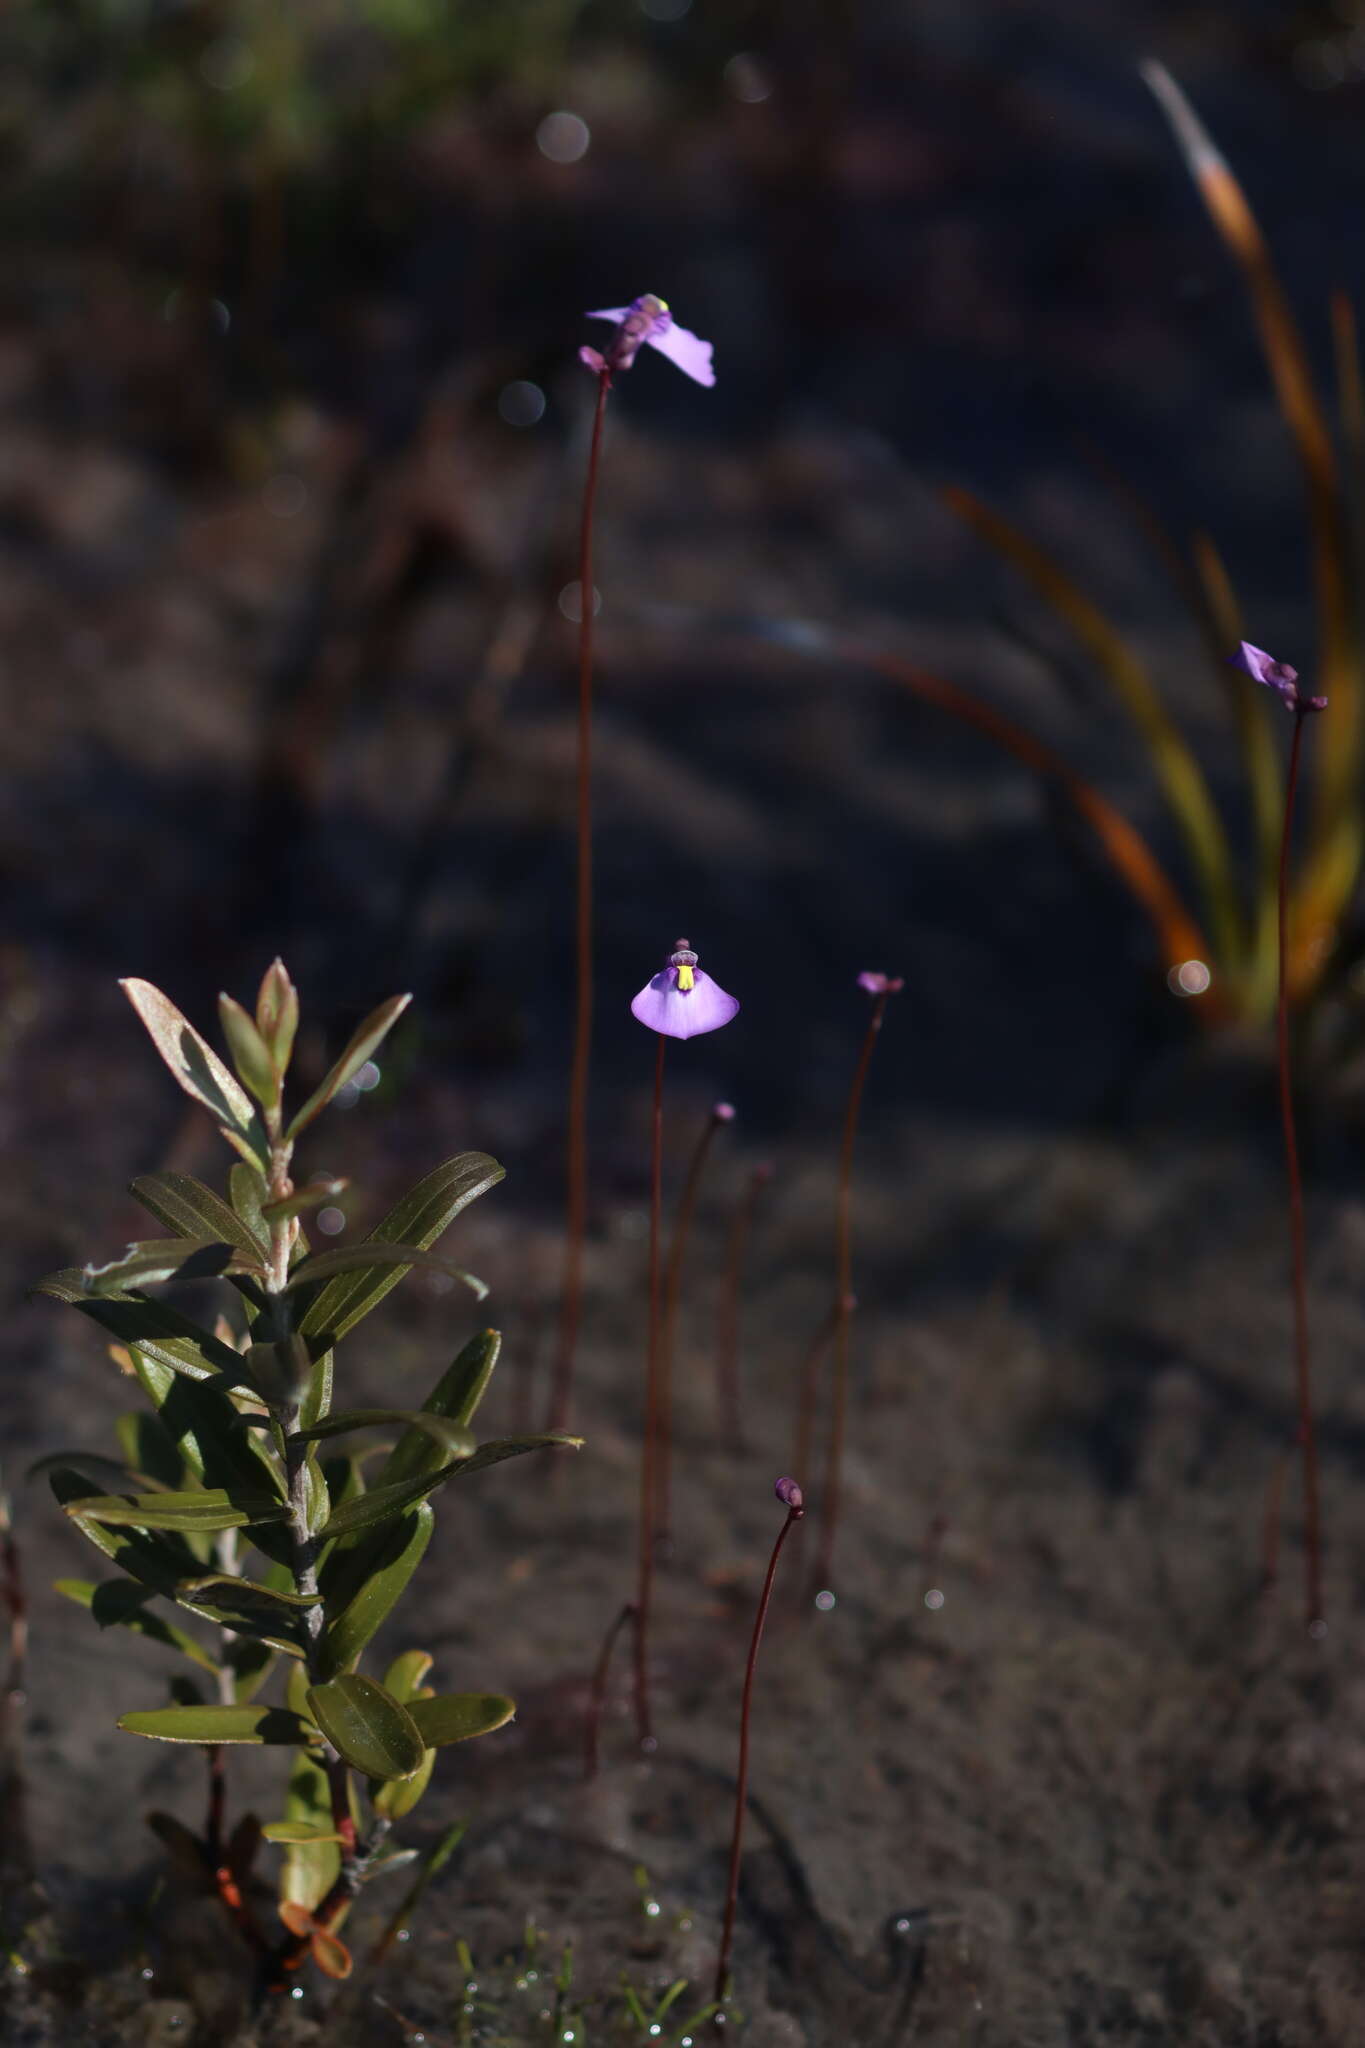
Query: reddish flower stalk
x=644 y=1728
x=598 y=1695
x=789 y=1493
x=721 y=1113
x=681 y=1001
x=576 y=1190
x=728 y=1418
x=1303 y=1379
x=880 y=987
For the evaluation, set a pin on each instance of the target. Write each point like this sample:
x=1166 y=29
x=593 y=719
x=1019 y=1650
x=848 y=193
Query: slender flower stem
x=677 y=1253
x=1302 y=1362
x=576 y=1193
x=843 y=1300
x=728 y=1416
x=643 y=1724
x=597 y=1697
x=795 y=1510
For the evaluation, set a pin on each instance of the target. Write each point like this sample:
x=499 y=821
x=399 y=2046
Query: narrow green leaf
x=119 y=1603
x=214 y=1723
x=205 y=1427
x=367 y=1726
x=250 y=1590
x=370 y=1035
x=451 y=1441
x=381 y=1502
x=155 y=1259
x=363 y=1257
x=247 y=1188
x=418 y=1219
x=317 y=1401
x=147 y=1446
x=309 y=1869
x=163 y=1561
x=498 y=1448
x=159 y=1332
x=407 y=1674
x=311 y=1197
x=250 y=1054
x=91 y=1465
x=198 y=1069
x=456 y=1395
x=456 y=1716
x=277 y=1013
x=251 y=1662
x=291 y=1831
x=395 y=1799
x=207 y=1508
x=192 y=1210
x=361 y=1585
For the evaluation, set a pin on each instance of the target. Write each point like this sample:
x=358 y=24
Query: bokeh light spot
x=1190 y=978
x=747 y=80
x=571 y=601
x=563 y=137
x=521 y=403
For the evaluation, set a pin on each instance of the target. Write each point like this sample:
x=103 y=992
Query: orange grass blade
x=1336 y=833
x=1181 y=777
x=1177 y=932
x=1252 y=710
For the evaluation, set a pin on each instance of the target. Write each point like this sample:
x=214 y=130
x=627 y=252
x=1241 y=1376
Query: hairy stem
x=576 y=1190
x=643 y=1725
x=742 y=1775
x=1298 y=1251
x=843 y=1301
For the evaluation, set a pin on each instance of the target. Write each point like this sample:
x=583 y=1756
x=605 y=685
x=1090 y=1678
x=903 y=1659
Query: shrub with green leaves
x=225 y=1502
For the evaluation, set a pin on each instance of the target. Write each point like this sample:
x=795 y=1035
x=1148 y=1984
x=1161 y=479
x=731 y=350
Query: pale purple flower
x=723 y=1112
x=648 y=319
x=881 y=984
x=682 y=1002
x=790 y=1495
x=1277 y=676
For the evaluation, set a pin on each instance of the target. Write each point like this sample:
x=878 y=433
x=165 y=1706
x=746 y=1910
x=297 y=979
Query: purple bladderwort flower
x=723 y=1112
x=1277 y=676
x=648 y=319
x=881 y=984
x=682 y=1002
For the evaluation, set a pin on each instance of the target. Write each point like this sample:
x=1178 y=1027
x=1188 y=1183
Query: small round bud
x=791 y=1496
x=723 y=1112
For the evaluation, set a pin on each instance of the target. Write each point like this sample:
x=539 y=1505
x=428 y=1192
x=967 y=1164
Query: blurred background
x=293 y=441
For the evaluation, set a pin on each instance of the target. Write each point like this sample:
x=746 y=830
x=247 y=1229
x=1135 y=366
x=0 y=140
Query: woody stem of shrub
x=831 y=1500
x=576 y=1190
x=677 y=1253
x=303 y=1544
x=1307 y=1436
x=643 y=1724
x=742 y=1774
